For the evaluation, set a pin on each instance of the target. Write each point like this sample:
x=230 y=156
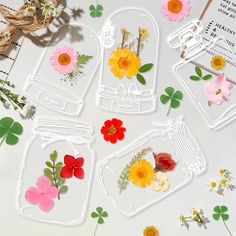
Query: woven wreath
x=32 y=16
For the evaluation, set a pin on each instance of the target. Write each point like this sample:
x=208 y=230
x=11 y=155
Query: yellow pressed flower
x=213 y=185
x=218 y=62
x=124 y=62
x=194 y=212
x=144 y=33
x=221 y=171
x=150 y=231
x=224 y=182
x=141 y=173
x=160 y=182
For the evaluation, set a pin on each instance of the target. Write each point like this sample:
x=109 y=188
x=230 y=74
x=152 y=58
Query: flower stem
x=168 y=112
x=55 y=179
x=139 y=42
x=227 y=228
x=95 y=230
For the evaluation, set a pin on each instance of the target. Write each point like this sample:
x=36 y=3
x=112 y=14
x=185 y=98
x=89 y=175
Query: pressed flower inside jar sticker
x=150 y=231
x=218 y=62
x=143 y=173
x=175 y=10
x=126 y=60
x=113 y=130
x=51 y=185
x=68 y=62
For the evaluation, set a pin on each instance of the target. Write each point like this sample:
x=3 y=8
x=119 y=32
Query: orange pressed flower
x=175 y=6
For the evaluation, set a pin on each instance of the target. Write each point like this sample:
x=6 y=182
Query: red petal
x=69 y=160
x=120 y=136
x=107 y=123
x=79 y=173
x=66 y=172
x=79 y=162
x=103 y=130
x=117 y=123
x=113 y=139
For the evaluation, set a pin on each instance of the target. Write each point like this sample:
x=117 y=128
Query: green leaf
x=207 y=77
x=164 y=98
x=59 y=165
x=216 y=216
x=47 y=171
x=63 y=189
x=49 y=164
x=61 y=181
x=141 y=79
x=170 y=91
x=217 y=209
x=223 y=209
x=96 y=11
x=198 y=71
x=104 y=214
x=178 y=95
x=100 y=220
x=99 y=210
x=83 y=59
x=195 y=78
x=53 y=156
x=10 y=130
x=174 y=103
x=145 y=68
x=94 y=215
x=224 y=217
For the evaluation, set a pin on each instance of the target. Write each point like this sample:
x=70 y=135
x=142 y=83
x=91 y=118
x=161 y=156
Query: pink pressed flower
x=64 y=59
x=42 y=194
x=175 y=10
x=218 y=92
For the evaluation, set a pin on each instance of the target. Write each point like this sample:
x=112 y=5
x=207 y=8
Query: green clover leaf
x=175 y=97
x=96 y=11
x=221 y=212
x=10 y=130
x=199 y=75
x=100 y=214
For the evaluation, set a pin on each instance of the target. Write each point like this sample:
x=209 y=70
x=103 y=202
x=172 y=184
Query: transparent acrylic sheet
x=128 y=95
x=199 y=52
x=173 y=138
x=48 y=87
x=66 y=137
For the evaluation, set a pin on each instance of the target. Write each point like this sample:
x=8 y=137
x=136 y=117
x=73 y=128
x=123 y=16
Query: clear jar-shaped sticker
x=153 y=167
x=207 y=71
x=65 y=69
x=57 y=171
x=129 y=62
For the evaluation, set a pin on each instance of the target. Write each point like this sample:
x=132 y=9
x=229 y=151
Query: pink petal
x=33 y=195
x=52 y=192
x=46 y=204
x=43 y=183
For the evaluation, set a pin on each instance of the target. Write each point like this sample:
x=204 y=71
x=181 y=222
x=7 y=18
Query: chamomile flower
x=47 y=9
x=6 y=36
x=30 y=11
x=57 y=11
x=212 y=186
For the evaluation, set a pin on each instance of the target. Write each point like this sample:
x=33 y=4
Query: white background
x=218 y=147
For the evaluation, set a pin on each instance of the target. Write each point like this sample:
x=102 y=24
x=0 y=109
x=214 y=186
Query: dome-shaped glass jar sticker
x=57 y=171
x=207 y=71
x=151 y=168
x=129 y=62
x=66 y=68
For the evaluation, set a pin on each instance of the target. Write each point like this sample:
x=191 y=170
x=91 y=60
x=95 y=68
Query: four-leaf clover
x=96 y=11
x=173 y=96
x=220 y=212
x=100 y=214
x=10 y=130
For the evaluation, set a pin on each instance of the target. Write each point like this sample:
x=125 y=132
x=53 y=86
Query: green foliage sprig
x=53 y=171
x=124 y=176
x=199 y=75
x=143 y=69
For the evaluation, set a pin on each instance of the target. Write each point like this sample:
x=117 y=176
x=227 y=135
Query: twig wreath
x=32 y=16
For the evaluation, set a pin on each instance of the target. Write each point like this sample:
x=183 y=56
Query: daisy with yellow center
x=141 y=173
x=150 y=231
x=218 y=62
x=222 y=171
x=212 y=185
x=224 y=183
x=124 y=62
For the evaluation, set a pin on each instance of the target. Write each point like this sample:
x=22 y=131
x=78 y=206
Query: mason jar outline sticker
x=215 y=74
x=131 y=90
x=129 y=196
x=46 y=188
x=60 y=94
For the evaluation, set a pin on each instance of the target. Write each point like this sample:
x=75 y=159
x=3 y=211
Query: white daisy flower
x=29 y=11
x=58 y=10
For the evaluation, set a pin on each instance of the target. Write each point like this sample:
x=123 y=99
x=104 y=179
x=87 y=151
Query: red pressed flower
x=113 y=130
x=73 y=166
x=164 y=162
